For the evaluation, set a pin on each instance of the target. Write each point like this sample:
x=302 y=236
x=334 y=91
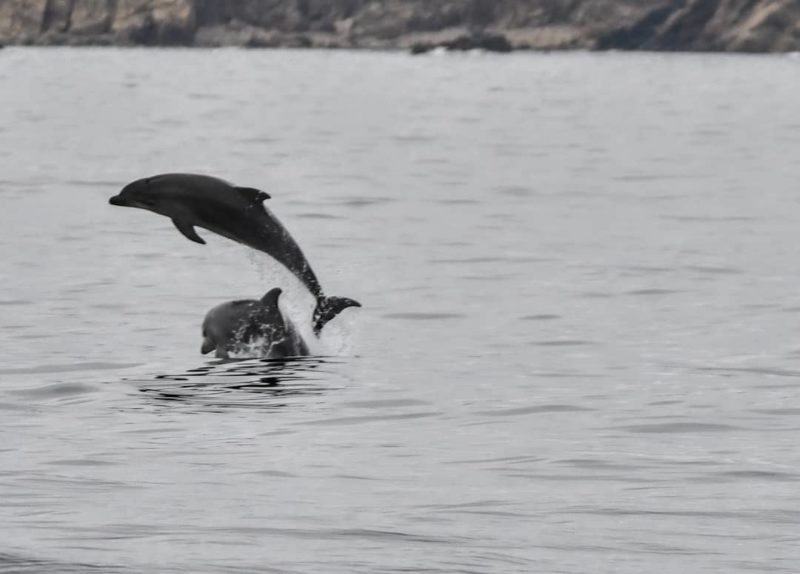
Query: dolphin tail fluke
x=328 y=308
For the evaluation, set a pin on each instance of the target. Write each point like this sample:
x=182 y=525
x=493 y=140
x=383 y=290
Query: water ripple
x=56 y=390
x=534 y=410
x=15 y=564
x=421 y=316
x=66 y=368
x=562 y=343
x=246 y=383
x=681 y=427
x=357 y=420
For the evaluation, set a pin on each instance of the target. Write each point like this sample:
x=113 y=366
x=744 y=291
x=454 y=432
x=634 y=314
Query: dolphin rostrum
x=237 y=213
x=252 y=325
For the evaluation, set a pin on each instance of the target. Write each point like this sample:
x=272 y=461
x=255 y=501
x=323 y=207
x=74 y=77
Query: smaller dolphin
x=248 y=325
x=237 y=213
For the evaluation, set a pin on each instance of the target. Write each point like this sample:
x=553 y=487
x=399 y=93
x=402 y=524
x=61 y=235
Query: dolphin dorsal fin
x=271 y=297
x=252 y=194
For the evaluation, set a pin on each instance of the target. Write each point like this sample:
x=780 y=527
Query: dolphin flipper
x=328 y=307
x=187 y=229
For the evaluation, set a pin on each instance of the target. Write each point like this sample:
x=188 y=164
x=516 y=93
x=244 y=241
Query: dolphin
x=237 y=213
x=250 y=324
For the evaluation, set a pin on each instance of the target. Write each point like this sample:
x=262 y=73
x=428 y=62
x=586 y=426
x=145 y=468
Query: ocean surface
x=579 y=347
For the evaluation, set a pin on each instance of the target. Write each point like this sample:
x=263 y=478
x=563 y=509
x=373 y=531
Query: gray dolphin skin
x=237 y=326
x=238 y=213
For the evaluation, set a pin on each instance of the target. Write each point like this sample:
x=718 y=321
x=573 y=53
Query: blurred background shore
x=498 y=25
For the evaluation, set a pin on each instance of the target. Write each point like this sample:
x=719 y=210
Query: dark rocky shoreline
x=417 y=25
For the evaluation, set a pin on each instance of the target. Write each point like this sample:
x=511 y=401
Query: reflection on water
x=240 y=383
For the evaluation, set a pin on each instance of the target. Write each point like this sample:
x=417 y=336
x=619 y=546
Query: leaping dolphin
x=237 y=213
x=238 y=326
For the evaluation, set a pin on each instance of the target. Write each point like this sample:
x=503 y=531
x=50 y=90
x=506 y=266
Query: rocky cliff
x=718 y=25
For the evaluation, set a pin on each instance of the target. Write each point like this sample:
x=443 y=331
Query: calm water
x=580 y=343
